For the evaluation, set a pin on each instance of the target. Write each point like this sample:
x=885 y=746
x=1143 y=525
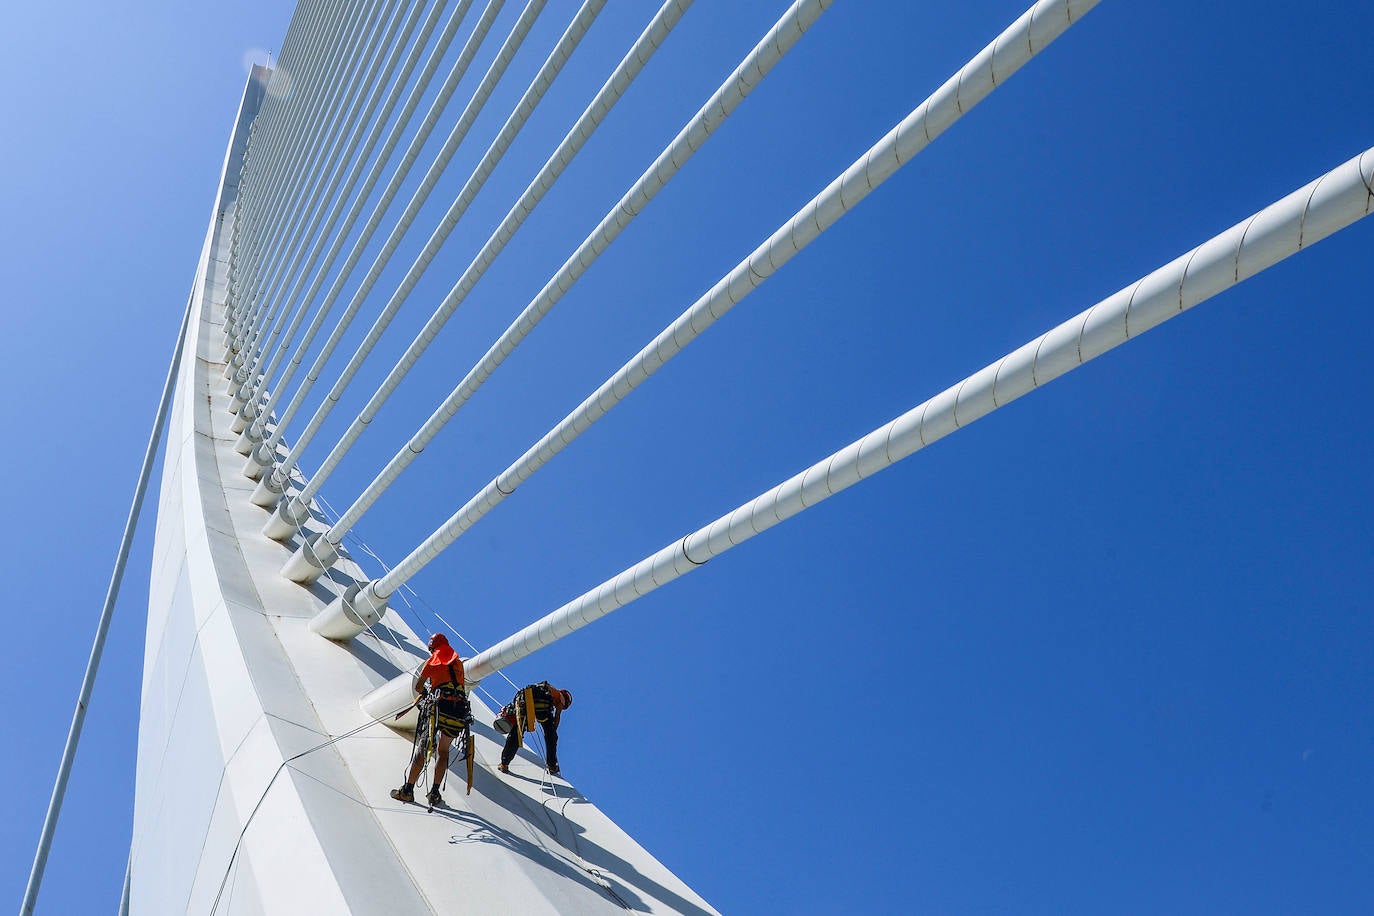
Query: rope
x=233 y=857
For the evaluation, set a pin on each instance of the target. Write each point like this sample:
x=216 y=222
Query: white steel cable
x=552 y=66
x=315 y=95
x=350 y=132
x=455 y=139
x=286 y=165
x=781 y=38
x=535 y=92
x=300 y=93
x=246 y=395
x=305 y=35
x=383 y=115
x=305 y=21
x=258 y=181
x=64 y=769
x=300 y=160
x=629 y=68
x=393 y=241
x=285 y=148
x=1031 y=33
x=1332 y=202
x=343 y=120
x=264 y=456
x=374 y=220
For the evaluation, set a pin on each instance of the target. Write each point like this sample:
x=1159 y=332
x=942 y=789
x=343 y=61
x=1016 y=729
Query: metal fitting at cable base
x=349 y=614
x=251 y=405
x=390 y=698
x=233 y=363
x=249 y=437
x=286 y=519
x=310 y=560
x=258 y=462
x=269 y=489
x=234 y=385
x=249 y=413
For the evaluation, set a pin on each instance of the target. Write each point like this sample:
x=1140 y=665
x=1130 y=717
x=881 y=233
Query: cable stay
x=252 y=398
x=359 y=117
x=262 y=455
x=1032 y=32
x=305 y=565
x=290 y=512
x=278 y=477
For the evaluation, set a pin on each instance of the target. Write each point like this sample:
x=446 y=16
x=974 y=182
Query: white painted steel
x=266 y=178
x=318 y=153
x=311 y=559
x=412 y=152
x=286 y=519
x=994 y=65
x=264 y=455
x=630 y=67
x=321 y=169
x=402 y=225
x=693 y=136
x=1308 y=215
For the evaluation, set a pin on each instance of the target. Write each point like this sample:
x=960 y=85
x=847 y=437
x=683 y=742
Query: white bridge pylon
x=256 y=603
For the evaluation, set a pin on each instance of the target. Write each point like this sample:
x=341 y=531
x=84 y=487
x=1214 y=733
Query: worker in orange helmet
x=444 y=715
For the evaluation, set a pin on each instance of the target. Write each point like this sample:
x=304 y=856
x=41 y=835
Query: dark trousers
x=550 y=741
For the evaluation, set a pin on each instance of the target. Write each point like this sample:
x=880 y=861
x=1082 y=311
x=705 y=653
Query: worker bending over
x=542 y=703
x=444 y=715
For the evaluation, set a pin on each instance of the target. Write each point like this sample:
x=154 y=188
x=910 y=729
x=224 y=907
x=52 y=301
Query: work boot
x=504 y=768
x=553 y=770
x=406 y=793
x=434 y=798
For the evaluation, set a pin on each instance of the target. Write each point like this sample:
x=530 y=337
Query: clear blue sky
x=1107 y=650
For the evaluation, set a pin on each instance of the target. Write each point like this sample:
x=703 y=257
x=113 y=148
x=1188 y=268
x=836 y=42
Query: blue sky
x=1105 y=650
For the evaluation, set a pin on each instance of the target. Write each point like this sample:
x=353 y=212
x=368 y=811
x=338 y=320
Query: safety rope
x=233 y=857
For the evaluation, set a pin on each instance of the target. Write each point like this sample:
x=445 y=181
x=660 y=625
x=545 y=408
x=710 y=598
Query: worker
x=444 y=715
x=542 y=703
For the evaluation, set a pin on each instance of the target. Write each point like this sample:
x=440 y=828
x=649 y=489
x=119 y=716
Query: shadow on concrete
x=601 y=863
x=476 y=829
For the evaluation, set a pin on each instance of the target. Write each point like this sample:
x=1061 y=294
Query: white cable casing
x=301 y=137
x=398 y=85
x=455 y=139
x=781 y=38
x=1027 y=36
x=341 y=154
x=263 y=202
x=630 y=67
x=393 y=186
x=264 y=455
x=1332 y=202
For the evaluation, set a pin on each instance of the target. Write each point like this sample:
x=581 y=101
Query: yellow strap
x=529 y=709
